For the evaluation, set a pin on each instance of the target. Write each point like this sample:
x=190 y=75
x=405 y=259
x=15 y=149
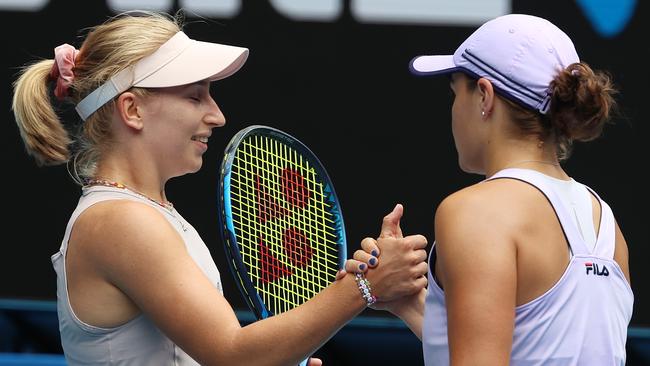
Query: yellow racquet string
x=257 y=172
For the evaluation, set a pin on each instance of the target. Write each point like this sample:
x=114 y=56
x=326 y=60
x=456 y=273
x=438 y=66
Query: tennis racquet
x=281 y=220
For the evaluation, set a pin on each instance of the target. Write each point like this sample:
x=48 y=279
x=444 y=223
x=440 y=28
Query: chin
x=470 y=168
x=194 y=167
x=463 y=166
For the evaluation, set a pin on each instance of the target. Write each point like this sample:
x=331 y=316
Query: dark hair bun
x=581 y=102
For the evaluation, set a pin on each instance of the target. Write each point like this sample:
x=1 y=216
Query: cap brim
x=199 y=61
x=433 y=65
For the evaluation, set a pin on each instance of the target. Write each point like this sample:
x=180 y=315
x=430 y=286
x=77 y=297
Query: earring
x=483 y=113
x=540 y=144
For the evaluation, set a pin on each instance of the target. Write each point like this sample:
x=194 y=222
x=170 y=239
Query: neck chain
x=107 y=183
x=164 y=204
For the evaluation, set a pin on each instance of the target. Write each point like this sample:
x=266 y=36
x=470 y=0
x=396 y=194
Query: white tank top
x=581 y=320
x=578 y=201
x=139 y=341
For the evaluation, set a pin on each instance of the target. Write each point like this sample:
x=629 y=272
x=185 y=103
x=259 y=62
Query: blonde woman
x=136 y=285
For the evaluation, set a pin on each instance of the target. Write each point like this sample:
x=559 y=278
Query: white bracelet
x=365 y=289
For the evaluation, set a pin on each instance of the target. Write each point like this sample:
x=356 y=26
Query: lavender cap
x=520 y=54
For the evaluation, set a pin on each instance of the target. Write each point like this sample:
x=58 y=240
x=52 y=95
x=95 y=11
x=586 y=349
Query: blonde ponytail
x=108 y=48
x=41 y=129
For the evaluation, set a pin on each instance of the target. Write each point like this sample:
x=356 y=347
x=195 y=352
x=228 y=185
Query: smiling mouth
x=200 y=139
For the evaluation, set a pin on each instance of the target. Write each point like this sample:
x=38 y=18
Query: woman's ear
x=128 y=109
x=486 y=93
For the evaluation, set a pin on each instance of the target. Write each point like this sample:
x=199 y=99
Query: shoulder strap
x=571 y=231
x=606 y=236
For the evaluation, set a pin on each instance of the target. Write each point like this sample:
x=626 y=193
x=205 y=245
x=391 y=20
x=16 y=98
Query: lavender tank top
x=139 y=341
x=581 y=320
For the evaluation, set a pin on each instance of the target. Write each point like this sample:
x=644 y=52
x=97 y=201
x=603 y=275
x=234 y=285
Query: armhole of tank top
x=601 y=207
x=436 y=286
x=89 y=328
x=432 y=265
x=433 y=254
x=566 y=238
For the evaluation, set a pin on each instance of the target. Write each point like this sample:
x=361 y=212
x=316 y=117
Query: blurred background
x=333 y=73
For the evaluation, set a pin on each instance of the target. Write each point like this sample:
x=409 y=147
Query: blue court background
x=340 y=84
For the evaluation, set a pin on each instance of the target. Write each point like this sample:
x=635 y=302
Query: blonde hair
x=108 y=48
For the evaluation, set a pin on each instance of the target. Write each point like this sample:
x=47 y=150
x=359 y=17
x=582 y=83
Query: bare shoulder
x=112 y=231
x=486 y=216
x=117 y=220
x=476 y=260
x=488 y=201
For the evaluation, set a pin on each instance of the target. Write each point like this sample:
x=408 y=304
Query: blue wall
x=29 y=336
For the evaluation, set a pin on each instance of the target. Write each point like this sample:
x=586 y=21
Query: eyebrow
x=201 y=83
x=197 y=84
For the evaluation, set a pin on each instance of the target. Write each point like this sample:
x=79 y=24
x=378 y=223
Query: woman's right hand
x=401 y=270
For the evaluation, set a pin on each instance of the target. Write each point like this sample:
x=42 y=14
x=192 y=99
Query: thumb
x=315 y=362
x=390 y=225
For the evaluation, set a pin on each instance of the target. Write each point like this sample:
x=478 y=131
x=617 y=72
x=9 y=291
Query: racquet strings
x=286 y=231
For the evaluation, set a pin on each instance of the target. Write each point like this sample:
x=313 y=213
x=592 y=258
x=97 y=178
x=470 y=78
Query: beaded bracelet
x=364 y=288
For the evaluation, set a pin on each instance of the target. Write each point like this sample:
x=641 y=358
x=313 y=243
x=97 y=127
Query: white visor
x=179 y=61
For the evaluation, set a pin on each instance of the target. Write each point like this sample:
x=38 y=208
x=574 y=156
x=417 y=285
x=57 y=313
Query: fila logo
x=595 y=269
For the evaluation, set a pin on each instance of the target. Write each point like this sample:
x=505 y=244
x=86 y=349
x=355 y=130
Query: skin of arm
x=477 y=267
x=411 y=310
x=149 y=264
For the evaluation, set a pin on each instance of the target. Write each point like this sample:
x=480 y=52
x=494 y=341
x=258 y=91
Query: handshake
x=392 y=268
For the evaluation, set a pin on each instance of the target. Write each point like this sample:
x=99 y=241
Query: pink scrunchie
x=64 y=58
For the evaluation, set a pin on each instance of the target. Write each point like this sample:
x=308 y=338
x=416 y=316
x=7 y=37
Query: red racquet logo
x=296 y=194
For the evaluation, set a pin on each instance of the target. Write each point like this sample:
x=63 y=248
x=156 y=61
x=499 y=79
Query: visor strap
x=131 y=76
x=102 y=95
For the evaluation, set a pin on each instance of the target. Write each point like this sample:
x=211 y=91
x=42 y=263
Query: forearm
x=412 y=312
x=290 y=337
